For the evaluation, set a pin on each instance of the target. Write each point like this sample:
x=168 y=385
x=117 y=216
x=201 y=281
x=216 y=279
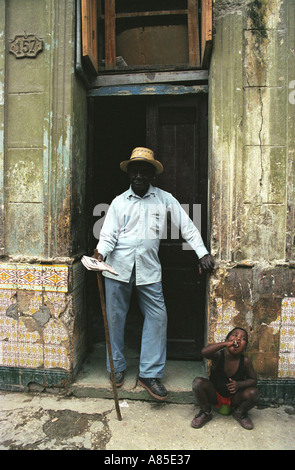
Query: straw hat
x=145 y=155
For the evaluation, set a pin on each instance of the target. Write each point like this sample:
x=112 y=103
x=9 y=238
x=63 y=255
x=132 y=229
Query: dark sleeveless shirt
x=220 y=379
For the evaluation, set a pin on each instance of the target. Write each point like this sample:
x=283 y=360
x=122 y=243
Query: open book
x=94 y=265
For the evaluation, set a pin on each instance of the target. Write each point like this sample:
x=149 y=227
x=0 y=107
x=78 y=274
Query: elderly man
x=130 y=239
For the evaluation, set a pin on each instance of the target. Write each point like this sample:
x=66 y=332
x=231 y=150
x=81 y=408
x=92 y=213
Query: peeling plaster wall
x=42 y=197
x=45 y=134
x=252 y=180
x=42 y=187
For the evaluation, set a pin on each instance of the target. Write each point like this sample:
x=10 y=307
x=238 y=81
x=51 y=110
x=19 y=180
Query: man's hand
x=206 y=264
x=97 y=255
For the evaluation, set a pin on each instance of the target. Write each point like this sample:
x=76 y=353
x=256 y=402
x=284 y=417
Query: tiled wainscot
x=39 y=305
x=283 y=326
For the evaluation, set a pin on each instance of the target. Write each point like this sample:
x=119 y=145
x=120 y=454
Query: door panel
x=177 y=130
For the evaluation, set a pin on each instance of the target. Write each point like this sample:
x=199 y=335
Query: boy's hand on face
x=228 y=343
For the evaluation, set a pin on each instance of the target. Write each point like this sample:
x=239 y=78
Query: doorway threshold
x=93 y=379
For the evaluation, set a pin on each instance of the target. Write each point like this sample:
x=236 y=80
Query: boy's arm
x=210 y=351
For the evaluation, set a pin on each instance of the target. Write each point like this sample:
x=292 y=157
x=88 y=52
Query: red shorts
x=223 y=400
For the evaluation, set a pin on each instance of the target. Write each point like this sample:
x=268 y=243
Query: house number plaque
x=27 y=45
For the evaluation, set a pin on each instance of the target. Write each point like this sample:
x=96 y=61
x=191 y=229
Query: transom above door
x=137 y=35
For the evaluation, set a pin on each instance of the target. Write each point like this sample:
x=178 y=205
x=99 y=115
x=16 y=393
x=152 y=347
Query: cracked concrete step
x=93 y=380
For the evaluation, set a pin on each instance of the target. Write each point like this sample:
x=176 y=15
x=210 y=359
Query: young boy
x=232 y=381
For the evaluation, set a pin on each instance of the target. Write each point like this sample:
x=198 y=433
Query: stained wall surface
x=43 y=139
x=252 y=126
x=43 y=119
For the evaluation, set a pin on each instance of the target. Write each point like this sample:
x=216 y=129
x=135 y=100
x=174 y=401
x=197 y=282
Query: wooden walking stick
x=108 y=341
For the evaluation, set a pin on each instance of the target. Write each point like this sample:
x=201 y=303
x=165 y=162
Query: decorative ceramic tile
x=27 y=336
x=226 y=312
x=30 y=355
x=55 y=278
x=6 y=299
x=33 y=355
x=288 y=317
x=8 y=276
x=9 y=354
x=287 y=342
x=8 y=329
x=56 y=302
x=55 y=333
x=34 y=277
x=23 y=342
x=56 y=356
x=287 y=339
x=29 y=277
x=35 y=304
x=288 y=304
x=287 y=365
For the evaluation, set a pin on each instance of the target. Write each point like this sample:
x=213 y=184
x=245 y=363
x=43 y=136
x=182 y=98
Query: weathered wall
x=42 y=176
x=42 y=192
x=252 y=124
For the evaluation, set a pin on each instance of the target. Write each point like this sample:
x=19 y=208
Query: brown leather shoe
x=243 y=419
x=154 y=387
x=201 y=419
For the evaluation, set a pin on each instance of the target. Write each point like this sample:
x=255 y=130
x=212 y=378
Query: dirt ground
x=46 y=422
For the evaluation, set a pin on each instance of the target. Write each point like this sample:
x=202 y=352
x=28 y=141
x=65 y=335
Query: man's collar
x=131 y=193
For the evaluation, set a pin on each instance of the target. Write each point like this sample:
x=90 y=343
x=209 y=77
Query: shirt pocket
x=156 y=225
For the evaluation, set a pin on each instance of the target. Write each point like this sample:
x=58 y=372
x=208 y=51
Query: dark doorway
x=176 y=129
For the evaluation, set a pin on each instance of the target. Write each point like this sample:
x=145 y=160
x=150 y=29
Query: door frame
x=158 y=91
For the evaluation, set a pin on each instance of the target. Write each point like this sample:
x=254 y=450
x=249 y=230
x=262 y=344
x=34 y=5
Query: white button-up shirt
x=133 y=229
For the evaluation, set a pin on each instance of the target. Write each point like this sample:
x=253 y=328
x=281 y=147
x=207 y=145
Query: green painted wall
x=45 y=130
x=43 y=126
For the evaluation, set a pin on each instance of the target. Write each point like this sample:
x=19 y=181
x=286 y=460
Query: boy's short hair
x=238 y=328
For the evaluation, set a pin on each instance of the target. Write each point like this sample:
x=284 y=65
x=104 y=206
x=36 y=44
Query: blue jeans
x=154 y=332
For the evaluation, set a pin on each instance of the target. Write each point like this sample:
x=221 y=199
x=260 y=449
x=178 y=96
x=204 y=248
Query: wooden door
x=177 y=131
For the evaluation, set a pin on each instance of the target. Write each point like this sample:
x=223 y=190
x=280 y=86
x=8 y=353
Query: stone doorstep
x=137 y=393
x=93 y=379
